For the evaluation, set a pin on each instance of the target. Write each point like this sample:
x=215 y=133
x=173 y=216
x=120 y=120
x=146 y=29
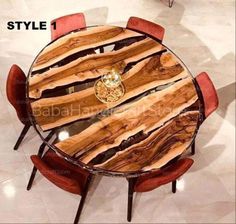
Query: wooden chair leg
x=82 y=200
x=22 y=135
x=171 y=3
x=33 y=173
x=32 y=176
x=40 y=153
x=130 y=199
x=193 y=148
x=174 y=186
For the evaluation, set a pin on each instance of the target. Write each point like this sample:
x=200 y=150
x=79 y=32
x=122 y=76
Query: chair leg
x=22 y=135
x=32 y=176
x=40 y=153
x=82 y=200
x=193 y=148
x=171 y=3
x=174 y=186
x=130 y=199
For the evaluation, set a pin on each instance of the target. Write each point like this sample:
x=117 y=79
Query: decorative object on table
x=109 y=88
x=15 y=89
x=209 y=95
x=147 y=27
x=151 y=181
x=63 y=174
x=66 y=24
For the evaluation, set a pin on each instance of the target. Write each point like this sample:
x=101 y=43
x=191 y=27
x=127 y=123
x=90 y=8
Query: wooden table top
x=154 y=122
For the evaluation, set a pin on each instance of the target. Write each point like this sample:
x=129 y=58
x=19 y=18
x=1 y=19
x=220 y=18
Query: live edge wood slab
x=154 y=122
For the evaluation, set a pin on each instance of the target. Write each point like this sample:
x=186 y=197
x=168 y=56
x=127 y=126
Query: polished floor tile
x=202 y=34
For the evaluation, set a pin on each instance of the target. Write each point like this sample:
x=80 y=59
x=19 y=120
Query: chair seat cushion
x=60 y=172
x=163 y=176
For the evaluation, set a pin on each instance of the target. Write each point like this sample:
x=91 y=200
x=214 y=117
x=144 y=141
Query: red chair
x=209 y=95
x=66 y=24
x=147 y=27
x=149 y=182
x=16 y=94
x=63 y=174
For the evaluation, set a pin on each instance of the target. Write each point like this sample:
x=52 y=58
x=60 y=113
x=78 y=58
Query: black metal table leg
x=101 y=49
x=43 y=145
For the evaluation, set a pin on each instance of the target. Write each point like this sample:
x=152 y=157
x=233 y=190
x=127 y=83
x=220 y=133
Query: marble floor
x=202 y=33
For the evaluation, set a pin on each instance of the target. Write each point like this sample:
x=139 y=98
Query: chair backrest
x=16 y=92
x=163 y=176
x=209 y=93
x=67 y=24
x=63 y=174
x=142 y=25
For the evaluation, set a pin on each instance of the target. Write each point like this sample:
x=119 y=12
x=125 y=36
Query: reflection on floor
x=202 y=33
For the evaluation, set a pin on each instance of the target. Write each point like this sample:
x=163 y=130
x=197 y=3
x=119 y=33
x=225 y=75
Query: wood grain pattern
x=148 y=74
x=147 y=114
x=154 y=122
x=158 y=148
x=92 y=66
x=79 y=41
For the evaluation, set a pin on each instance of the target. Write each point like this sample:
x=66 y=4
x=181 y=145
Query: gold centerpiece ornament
x=109 y=88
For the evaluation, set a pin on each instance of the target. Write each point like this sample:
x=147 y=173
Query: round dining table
x=154 y=122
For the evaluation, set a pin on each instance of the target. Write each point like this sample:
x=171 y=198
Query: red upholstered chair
x=65 y=24
x=63 y=174
x=147 y=27
x=165 y=175
x=15 y=89
x=209 y=95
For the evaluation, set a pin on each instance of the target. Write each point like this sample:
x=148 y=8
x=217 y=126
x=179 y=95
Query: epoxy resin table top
x=154 y=122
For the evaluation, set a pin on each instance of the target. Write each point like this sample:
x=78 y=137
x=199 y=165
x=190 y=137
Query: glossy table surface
x=154 y=122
